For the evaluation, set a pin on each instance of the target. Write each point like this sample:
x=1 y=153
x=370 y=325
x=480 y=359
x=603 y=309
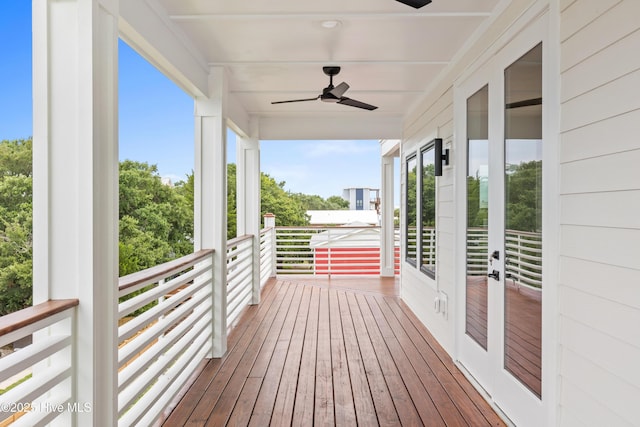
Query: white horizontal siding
x=610 y=172
x=617 y=398
x=618 y=134
x=599 y=34
x=613 y=246
x=436 y=120
x=602 y=209
x=614 y=355
x=599 y=296
x=610 y=100
x=579 y=409
x=579 y=79
x=608 y=282
x=582 y=14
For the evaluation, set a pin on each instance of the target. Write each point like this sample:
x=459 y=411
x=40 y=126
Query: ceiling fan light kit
x=415 y=3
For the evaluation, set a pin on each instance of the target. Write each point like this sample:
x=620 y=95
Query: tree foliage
x=156 y=220
x=524 y=196
x=16 y=209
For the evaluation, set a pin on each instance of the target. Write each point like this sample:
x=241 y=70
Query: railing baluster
x=165 y=332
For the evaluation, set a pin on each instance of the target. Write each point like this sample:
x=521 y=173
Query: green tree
x=274 y=199
x=287 y=207
x=156 y=220
x=524 y=196
x=314 y=202
x=16 y=209
x=337 y=203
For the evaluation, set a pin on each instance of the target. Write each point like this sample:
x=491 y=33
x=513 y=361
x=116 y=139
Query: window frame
x=430 y=146
x=407 y=160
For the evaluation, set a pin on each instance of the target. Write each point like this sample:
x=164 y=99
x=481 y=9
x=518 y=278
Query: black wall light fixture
x=440 y=156
x=415 y=3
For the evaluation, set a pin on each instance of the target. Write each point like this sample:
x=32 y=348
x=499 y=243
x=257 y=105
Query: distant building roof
x=341 y=217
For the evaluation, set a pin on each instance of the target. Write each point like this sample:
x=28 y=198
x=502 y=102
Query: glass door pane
x=523 y=220
x=412 y=211
x=428 y=214
x=477 y=215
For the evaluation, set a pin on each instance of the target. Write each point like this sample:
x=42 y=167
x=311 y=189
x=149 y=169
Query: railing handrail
x=237 y=240
x=323 y=227
x=28 y=316
x=157 y=272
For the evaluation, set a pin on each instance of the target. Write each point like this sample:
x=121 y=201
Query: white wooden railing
x=239 y=276
x=328 y=250
x=267 y=254
x=477 y=251
x=165 y=331
x=428 y=248
x=523 y=256
x=30 y=402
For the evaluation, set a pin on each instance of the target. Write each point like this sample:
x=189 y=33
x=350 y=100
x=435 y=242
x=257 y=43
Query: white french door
x=500 y=275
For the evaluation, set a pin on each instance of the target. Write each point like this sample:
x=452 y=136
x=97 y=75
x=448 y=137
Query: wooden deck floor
x=341 y=352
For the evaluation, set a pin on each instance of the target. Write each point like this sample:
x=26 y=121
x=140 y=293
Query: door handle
x=495 y=275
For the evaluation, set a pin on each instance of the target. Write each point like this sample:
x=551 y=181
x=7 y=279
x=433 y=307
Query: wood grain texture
x=344 y=353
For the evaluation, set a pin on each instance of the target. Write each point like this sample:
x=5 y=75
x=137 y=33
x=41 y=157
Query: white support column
x=248 y=198
x=387 y=232
x=210 y=196
x=270 y=222
x=75 y=188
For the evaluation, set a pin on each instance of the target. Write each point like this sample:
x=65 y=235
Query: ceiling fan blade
x=339 y=90
x=524 y=103
x=296 y=100
x=353 y=103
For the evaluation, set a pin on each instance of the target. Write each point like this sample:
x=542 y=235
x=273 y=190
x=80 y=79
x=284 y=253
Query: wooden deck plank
x=227 y=401
x=403 y=403
x=488 y=413
x=345 y=412
x=362 y=399
x=332 y=354
x=209 y=398
x=443 y=401
x=263 y=409
x=384 y=406
x=303 y=410
x=458 y=397
x=323 y=406
x=197 y=390
x=286 y=396
x=419 y=394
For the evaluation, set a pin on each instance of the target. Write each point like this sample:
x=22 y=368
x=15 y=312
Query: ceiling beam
x=324 y=62
x=325 y=15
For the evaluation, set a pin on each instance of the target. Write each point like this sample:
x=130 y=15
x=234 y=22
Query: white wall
x=599 y=293
x=434 y=117
x=418 y=289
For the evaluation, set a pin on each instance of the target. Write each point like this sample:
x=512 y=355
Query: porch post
x=75 y=189
x=210 y=196
x=270 y=222
x=248 y=198
x=387 y=230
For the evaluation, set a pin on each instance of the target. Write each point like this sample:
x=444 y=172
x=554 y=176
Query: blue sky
x=156 y=121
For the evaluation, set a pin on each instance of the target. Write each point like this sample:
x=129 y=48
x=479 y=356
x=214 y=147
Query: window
x=412 y=211
x=428 y=211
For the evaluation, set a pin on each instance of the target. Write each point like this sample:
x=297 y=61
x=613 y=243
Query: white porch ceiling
x=274 y=50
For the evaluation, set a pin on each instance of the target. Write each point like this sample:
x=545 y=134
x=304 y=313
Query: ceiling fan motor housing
x=415 y=3
x=331 y=70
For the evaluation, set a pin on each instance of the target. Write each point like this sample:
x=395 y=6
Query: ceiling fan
x=415 y=3
x=333 y=93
